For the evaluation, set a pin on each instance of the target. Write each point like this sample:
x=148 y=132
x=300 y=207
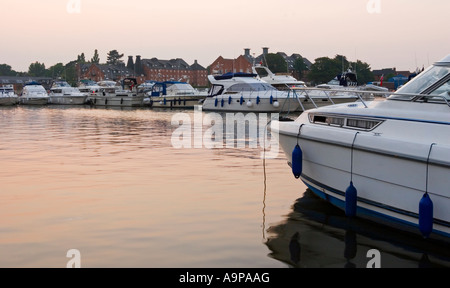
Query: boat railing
x=364 y=95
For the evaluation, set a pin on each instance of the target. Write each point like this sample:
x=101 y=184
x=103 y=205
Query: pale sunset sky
x=384 y=33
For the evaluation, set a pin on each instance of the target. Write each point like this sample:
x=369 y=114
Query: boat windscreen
x=251 y=87
x=425 y=83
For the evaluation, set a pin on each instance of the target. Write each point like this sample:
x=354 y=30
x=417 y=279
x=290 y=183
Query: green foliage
x=81 y=58
x=363 y=71
x=300 y=66
x=325 y=69
x=70 y=73
x=56 y=71
x=37 y=69
x=114 y=57
x=276 y=63
x=5 y=70
x=95 y=59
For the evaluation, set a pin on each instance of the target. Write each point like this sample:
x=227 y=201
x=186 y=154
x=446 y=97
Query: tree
x=5 y=70
x=363 y=72
x=81 y=58
x=300 y=66
x=70 y=73
x=276 y=63
x=323 y=70
x=37 y=69
x=114 y=58
x=95 y=59
x=56 y=71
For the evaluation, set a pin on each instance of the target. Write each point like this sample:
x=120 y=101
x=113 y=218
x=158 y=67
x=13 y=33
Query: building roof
x=173 y=64
x=197 y=66
x=4 y=80
x=110 y=71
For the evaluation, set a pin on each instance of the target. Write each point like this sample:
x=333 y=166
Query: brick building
x=222 y=65
x=245 y=62
x=147 y=69
x=100 y=72
x=175 y=70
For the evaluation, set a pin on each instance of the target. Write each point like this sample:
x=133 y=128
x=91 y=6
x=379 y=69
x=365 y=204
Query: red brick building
x=222 y=65
x=148 y=69
x=100 y=72
x=175 y=70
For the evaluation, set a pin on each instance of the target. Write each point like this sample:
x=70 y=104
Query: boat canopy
x=162 y=88
x=130 y=82
x=231 y=75
x=87 y=82
x=32 y=83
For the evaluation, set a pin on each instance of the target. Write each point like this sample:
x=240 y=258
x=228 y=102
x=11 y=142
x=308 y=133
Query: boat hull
x=8 y=101
x=390 y=182
x=236 y=104
x=174 y=102
x=117 y=101
x=34 y=101
x=68 y=100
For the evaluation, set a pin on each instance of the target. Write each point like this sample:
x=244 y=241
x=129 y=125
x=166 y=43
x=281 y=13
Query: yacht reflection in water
x=318 y=235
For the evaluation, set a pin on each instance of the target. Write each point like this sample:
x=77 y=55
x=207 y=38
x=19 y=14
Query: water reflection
x=316 y=234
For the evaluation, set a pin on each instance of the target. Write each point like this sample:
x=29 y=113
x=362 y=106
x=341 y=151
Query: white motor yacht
x=310 y=97
x=244 y=92
x=34 y=93
x=89 y=87
x=173 y=94
x=123 y=95
x=62 y=93
x=7 y=96
x=386 y=160
x=283 y=81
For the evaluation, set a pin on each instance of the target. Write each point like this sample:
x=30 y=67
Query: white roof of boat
x=445 y=60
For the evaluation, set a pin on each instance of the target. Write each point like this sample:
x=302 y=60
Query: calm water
x=111 y=184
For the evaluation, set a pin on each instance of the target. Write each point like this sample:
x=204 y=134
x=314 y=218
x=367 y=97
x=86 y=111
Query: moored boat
x=387 y=161
x=34 y=93
x=172 y=94
x=244 y=92
x=7 y=96
x=123 y=95
x=64 y=94
x=281 y=81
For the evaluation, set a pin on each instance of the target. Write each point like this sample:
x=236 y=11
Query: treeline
x=66 y=71
x=323 y=70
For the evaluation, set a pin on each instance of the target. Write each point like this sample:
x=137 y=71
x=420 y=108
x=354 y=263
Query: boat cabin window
x=443 y=90
x=215 y=90
x=432 y=81
x=251 y=87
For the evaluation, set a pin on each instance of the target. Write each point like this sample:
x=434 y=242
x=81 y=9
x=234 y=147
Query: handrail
x=414 y=97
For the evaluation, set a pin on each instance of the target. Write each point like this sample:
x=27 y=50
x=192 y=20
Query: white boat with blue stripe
x=385 y=160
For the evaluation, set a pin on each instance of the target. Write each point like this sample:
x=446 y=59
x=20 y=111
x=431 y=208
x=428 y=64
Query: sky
x=404 y=34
